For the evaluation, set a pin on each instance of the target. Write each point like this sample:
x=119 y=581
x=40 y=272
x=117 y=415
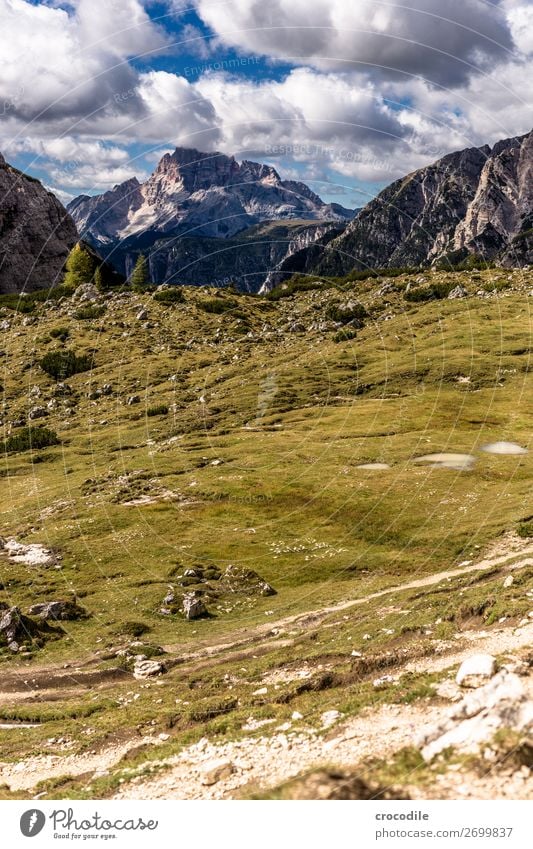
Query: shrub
x=63 y=364
x=61 y=333
x=133 y=629
x=89 y=311
x=344 y=314
x=30 y=437
x=525 y=529
x=218 y=305
x=434 y=292
x=170 y=296
x=345 y=335
x=157 y=410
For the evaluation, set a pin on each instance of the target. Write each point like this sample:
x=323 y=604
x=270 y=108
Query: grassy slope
x=290 y=415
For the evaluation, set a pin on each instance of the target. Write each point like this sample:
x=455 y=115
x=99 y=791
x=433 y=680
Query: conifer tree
x=140 y=277
x=79 y=267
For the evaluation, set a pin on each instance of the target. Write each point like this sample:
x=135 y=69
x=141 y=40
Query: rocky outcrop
x=36 y=233
x=193 y=199
x=477 y=201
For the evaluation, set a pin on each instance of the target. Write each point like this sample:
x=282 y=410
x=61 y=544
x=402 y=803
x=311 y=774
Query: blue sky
x=346 y=97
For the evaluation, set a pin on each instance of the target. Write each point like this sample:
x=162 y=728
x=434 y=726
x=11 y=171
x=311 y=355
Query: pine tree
x=98 y=281
x=79 y=267
x=140 y=276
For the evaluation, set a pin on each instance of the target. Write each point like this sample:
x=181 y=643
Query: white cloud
x=443 y=42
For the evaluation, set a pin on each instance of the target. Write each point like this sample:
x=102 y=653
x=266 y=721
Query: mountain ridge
x=475 y=201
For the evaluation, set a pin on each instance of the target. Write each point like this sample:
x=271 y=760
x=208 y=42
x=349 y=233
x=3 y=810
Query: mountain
x=196 y=196
x=36 y=233
x=476 y=201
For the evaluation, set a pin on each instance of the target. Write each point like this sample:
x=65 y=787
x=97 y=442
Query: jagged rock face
x=478 y=200
x=36 y=233
x=197 y=196
x=209 y=194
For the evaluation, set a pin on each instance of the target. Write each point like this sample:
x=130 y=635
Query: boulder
x=476 y=670
x=214 y=771
x=237 y=579
x=58 y=610
x=193 y=606
x=147 y=669
x=457 y=292
x=87 y=292
x=16 y=628
x=503 y=702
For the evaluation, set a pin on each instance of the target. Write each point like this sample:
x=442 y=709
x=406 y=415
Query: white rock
x=147 y=668
x=504 y=448
x=214 y=771
x=501 y=703
x=329 y=718
x=476 y=670
x=508 y=581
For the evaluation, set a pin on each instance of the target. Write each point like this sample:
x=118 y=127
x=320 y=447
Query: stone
x=37 y=413
x=147 y=669
x=329 y=718
x=215 y=771
x=193 y=606
x=237 y=579
x=86 y=292
x=503 y=702
x=58 y=610
x=457 y=292
x=383 y=682
x=15 y=627
x=476 y=670
x=133 y=399
x=508 y=582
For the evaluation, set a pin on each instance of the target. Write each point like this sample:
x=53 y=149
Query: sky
x=346 y=95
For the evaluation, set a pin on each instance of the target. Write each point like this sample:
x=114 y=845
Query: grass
x=260 y=446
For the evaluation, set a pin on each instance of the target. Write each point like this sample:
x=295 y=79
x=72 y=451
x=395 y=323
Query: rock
x=37 y=413
x=383 y=682
x=86 y=292
x=476 y=670
x=58 y=610
x=503 y=702
x=329 y=718
x=508 y=582
x=215 y=771
x=33 y=554
x=107 y=389
x=147 y=669
x=36 y=231
x=133 y=399
x=237 y=579
x=16 y=628
x=193 y=606
x=142 y=315
x=457 y=292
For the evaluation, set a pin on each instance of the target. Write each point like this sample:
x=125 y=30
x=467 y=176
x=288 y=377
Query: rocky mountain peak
x=36 y=233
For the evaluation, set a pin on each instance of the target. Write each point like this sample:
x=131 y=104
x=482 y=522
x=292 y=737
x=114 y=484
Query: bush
x=218 y=305
x=170 y=296
x=61 y=333
x=525 y=529
x=434 y=292
x=158 y=410
x=30 y=437
x=343 y=315
x=133 y=629
x=345 y=335
x=63 y=364
x=90 y=311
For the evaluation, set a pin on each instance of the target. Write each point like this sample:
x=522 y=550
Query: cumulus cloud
x=443 y=42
